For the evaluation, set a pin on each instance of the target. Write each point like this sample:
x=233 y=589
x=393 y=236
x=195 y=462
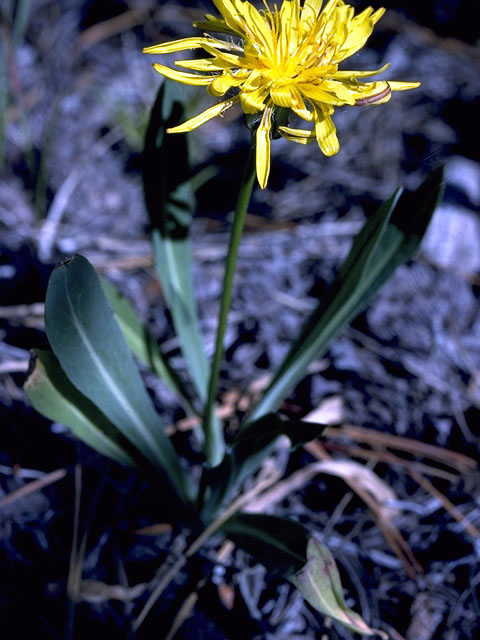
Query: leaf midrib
x=129 y=409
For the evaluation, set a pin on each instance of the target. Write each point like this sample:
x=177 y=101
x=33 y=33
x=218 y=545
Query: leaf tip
x=32 y=363
x=67 y=260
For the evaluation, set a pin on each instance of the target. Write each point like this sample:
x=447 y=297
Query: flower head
x=285 y=57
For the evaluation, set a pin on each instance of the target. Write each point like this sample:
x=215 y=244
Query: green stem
x=214 y=444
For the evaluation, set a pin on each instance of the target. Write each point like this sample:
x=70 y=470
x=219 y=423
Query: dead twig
x=32 y=487
x=390 y=532
x=458 y=461
x=20 y=311
x=19 y=472
x=13 y=366
x=390 y=458
x=185 y=610
x=96 y=592
x=112 y=27
x=48 y=231
x=348 y=470
x=129 y=263
x=77 y=554
x=449 y=507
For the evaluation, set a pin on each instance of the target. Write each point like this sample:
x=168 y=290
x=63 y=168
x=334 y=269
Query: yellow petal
x=211 y=23
x=289 y=20
x=371 y=92
x=207 y=115
x=329 y=8
x=230 y=14
x=377 y=15
x=254 y=80
x=340 y=90
x=176 y=45
x=385 y=96
x=403 y=86
x=310 y=11
x=305 y=114
x=326 y=133
x=360 y=30
x=180 y=76
x=221 y=84
x=318 y=94
x=253 y=101
x=186 y=44
x=229 y=59
x=259 y=28
x=203 y=64
x=300 y=136
x=287 y=96
x=263 y=148
x=359 y=74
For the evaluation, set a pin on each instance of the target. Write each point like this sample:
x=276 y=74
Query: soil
x=79 y=554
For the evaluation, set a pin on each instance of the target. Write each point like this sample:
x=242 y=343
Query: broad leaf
x=319 y=583
x=246 y=454
x=280 y=544
x=286 y=548
x=52 y=394
x=387 y=240
x=141 y=342
x=94 y=355
x=170 y=204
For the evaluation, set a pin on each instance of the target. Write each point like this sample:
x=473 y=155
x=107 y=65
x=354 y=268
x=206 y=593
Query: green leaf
x=280 y=544
x=388 y=239
x=93 y=353
x=247 y=452
x=406 y=230
x=170 y=204
x=141 y=342
x=52 y=394
x=285 y=547
x=320 y=585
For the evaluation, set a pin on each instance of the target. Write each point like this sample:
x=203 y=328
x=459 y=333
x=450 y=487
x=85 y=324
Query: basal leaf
x=94 y=355
x=247 y=452
x=280 y=544
x=141 y=342
x=387 y=240
x=52 y=394
x=320 y=585
x=287 y=548
x=170 y=204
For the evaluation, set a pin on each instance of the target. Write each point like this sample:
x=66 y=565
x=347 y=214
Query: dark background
x=75 y=97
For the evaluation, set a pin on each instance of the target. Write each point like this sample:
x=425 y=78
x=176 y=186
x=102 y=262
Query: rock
x=453 y=240
x=464 y=174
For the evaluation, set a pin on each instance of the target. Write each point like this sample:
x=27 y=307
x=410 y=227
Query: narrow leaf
x=387 y=240
x=93 y=353
x=52 y=394
x=170 y=204
x=141 y=342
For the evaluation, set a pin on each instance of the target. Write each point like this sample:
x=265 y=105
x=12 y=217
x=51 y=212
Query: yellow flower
x=285 y=57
